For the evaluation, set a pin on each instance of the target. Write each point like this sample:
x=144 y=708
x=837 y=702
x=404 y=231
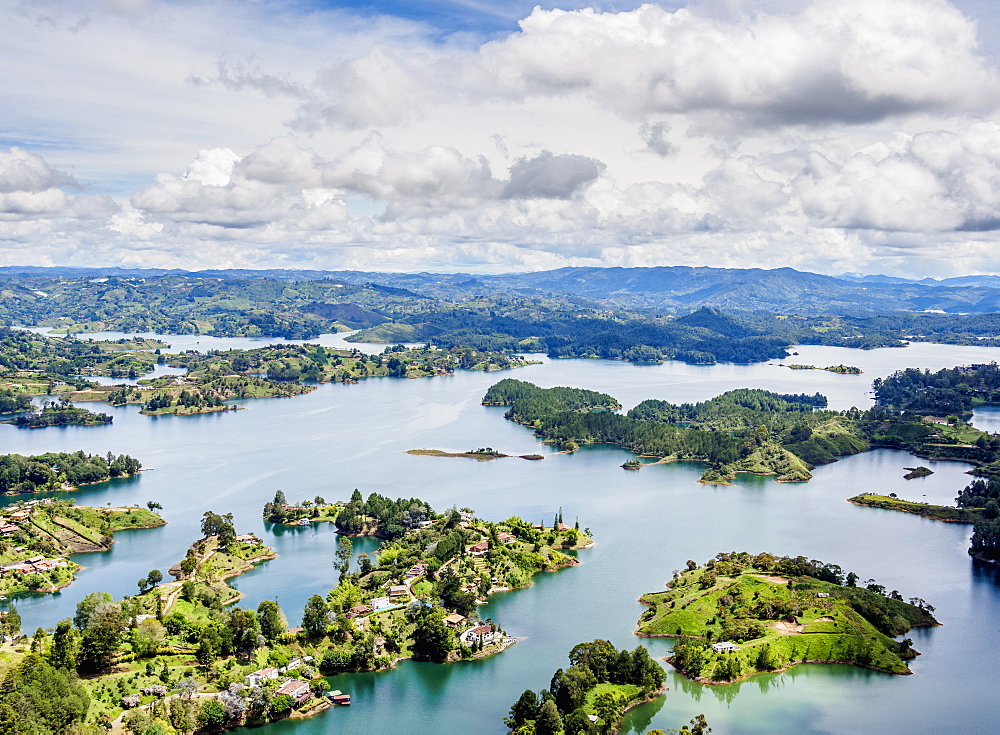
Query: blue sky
x=856 y=135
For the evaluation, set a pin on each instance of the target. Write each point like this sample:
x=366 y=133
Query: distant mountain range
x=674 y=289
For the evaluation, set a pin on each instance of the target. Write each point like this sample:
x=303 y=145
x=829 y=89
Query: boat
x=338 y=697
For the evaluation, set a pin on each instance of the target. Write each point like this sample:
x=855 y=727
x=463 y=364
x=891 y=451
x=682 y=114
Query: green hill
x=773 y=612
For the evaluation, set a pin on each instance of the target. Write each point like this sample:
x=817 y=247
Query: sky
x=473 y=136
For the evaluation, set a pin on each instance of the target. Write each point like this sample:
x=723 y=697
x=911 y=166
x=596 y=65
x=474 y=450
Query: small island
x=912 y=473
x=742 y=614
x=599 y=687
x=842 y=369
x=37 y=537
x=483 y=454
x=58 y=413
x=927 y=510
x=20 y=475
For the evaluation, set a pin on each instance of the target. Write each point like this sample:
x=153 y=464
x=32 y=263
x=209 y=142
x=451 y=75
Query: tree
x=315 y=617
x=10 y=622
x=549 y=722
x=698 y=726
x=213 y=524
x=608 y=706
x=154 y=577
x=524 y=709
x=62 y=655
x=87 y=608
x=153 y=505
x=282 y=703
x=100 y=639
x=432 y=639
x=212 y=715
x=271 y=620
x=43 y=696
x=246 y=630
x=345 y=550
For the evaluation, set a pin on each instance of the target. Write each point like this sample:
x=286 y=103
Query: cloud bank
x=828 y=136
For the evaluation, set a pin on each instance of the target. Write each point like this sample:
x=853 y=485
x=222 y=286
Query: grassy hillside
x=779 y=612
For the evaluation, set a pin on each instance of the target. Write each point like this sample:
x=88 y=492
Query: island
x=182 y=653
x=761 y=432
x=21 y=474
x=58 y=413
x=483 y=454
x=842 y=369
x=37 y=537
x=742 y=614
x=978 y=503
x=912 y=473
x=592 y=694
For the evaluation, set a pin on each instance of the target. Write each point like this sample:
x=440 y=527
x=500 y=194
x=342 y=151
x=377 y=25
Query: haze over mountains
x=677 y=289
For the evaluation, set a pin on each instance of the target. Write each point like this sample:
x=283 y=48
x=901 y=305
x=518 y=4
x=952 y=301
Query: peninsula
x=180 y=654
x=61 y=471
x=37 y=537
x=742 y=614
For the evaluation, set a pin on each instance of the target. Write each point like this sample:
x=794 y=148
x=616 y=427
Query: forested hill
x=639 y=315
x=954 y=391
x=743 y=430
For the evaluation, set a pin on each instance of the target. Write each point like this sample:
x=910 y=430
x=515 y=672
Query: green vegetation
x=914 y=472
x=12 y=401
x=61 y=471
x=948 y=392
x=936 y=512
x=483 y=454
x=38 y=536
x=600 y=681
x=766 y=613
x=61 y=413
x=844 y=369
x=144 y=658
x=741 y=431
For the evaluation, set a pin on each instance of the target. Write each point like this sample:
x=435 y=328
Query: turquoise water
x=646 y=524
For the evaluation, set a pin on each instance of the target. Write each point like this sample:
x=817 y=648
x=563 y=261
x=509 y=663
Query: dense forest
x=951 y=391
x=743 y=430
x=459 y=313
x=56 y=470
x=591 y=695
x=59 y=413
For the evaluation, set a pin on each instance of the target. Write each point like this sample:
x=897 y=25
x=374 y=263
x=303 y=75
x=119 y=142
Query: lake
x=646 y=524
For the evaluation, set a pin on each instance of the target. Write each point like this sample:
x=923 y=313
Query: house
x=725 y=647
x=260 y=675
x=7 y=529
x=822 y=595
x=297 y=690
x=247 y=539
x=562 y=527
x=466 y=516
x=506 y=538
x=294 y=663
x=481 y=634
x=399 y=590
x=416 y=570
x=479 y=549
x=454 y=620
x=381 y=602
x=359 y=610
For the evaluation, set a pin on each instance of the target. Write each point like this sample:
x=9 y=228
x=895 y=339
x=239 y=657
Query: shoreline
x=782 y=669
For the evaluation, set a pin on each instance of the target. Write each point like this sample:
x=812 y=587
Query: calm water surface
x=646 y=524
